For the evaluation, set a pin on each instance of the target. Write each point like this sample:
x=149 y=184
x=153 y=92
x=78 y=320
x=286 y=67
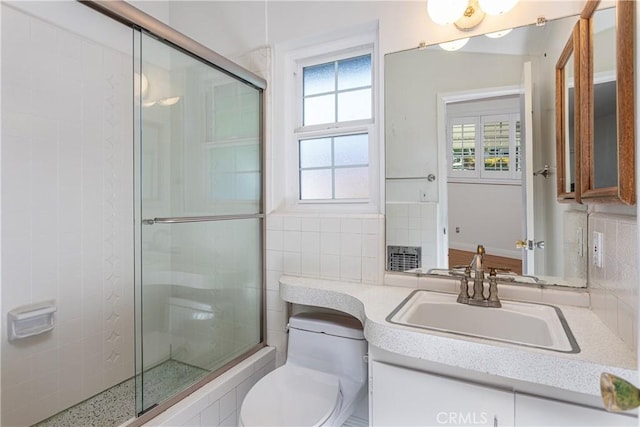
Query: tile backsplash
x=614 y=286
x=339 y=247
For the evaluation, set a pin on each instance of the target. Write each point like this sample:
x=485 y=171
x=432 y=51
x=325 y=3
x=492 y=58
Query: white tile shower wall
x=614 y=287
x=66 y=214
x=219 y=402
x=349 y=248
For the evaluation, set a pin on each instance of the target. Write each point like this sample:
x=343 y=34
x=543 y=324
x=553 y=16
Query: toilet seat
x=292 y=396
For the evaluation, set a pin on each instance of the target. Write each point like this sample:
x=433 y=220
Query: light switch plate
x=597 y=249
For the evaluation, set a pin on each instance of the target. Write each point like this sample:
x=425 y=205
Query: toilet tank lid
x=328 y=323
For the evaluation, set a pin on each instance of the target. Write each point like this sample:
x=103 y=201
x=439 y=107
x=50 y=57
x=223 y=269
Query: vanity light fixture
x=454 y=45
x=466 y=14
x=165 y=102
x=141 y=89
x=169 y=101
x=445 y=12
x=140 y=84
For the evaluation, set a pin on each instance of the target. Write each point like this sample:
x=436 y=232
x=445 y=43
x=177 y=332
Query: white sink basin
x=527 y=324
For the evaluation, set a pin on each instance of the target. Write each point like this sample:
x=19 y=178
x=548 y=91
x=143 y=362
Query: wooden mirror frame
x=625 y=191
x=573 y=47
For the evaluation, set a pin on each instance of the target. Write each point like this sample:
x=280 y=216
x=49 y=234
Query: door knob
x=529 y=244
x=431 y=177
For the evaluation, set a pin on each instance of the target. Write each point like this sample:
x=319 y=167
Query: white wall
x=478 y=208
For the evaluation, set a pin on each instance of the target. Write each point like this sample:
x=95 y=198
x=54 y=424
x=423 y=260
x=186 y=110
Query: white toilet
x=323 y=380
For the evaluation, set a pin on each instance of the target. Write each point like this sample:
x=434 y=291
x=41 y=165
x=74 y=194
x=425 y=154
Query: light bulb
x=498 y=34
x=169 y=101
x=446 y=12
x=454 y=45
x=497 y=7
x=140 y=84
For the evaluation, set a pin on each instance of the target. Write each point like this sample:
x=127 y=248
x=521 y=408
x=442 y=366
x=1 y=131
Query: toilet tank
x=328 y=342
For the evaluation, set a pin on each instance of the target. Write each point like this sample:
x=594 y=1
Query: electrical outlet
x=598 y=248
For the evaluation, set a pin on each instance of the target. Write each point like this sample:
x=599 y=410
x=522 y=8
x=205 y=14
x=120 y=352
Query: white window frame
x=365 y=42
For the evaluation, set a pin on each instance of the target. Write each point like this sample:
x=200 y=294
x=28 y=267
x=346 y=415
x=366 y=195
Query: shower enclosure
x=131 y=178
x=200 y=227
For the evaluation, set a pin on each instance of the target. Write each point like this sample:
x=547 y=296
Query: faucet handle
x=463 y=295
x=493 y=273
x=455 y=270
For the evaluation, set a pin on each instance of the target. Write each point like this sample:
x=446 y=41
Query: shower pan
x=132 y=205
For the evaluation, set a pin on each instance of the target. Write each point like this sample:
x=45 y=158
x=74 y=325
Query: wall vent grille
x=403 y=258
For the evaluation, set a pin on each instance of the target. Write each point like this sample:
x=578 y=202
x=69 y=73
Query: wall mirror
x=567 y=101
x=608 y=134
x=457 y=171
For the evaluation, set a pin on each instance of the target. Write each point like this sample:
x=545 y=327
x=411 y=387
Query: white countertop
x=600 y=351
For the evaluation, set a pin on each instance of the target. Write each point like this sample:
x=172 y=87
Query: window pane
x=463 y=146
x=351 y=150
x=315 y=153
x=354 y=105
x=319 y=79
x=319 y=109
x=352 y=183
x=354 y=72
x=315 y=184
x=496 y=146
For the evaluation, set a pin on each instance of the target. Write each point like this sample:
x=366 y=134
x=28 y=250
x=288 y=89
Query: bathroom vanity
x=428 y=377
x=408 y=397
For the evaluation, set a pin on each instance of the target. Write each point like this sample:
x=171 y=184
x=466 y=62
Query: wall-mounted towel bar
x=183 y=219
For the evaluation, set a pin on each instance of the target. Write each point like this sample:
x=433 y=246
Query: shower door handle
x=185 y=219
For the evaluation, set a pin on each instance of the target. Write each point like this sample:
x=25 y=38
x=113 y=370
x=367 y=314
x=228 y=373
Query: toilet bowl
x=323 y=380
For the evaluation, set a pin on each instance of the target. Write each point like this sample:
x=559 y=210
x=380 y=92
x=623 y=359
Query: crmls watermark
x=462 y=418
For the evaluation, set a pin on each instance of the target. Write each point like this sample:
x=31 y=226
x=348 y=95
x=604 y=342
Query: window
x=485 y=147
x=335 y=126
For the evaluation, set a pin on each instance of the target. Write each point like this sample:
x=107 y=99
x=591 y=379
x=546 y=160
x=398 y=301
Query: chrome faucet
x=477 y=297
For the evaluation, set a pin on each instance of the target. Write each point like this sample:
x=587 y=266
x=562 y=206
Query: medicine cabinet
x=595 y=107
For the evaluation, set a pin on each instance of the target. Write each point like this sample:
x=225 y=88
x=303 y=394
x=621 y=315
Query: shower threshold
x=116 y=405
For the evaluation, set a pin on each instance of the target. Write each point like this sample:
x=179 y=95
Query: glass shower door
x=199 y=220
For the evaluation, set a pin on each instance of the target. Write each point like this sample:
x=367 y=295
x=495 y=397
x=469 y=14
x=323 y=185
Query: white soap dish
x=30 y=320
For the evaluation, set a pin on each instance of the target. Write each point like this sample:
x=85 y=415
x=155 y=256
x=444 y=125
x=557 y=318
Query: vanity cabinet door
x=405 y=397
x=537 y=411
